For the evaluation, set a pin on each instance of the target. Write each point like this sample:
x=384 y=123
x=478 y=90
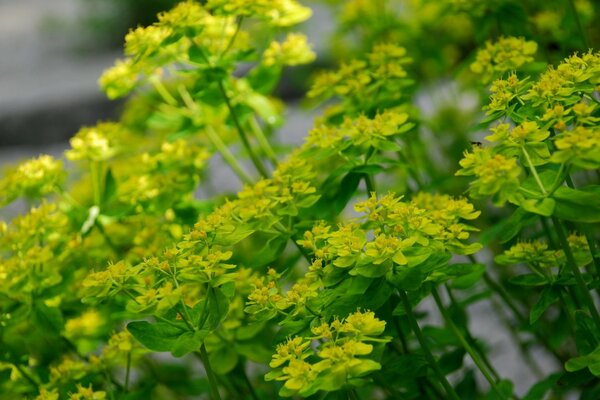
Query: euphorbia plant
x=308 y=282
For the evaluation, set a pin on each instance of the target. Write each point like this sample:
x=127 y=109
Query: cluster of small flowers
x=39 y=243
x=156 y=179
x=338 y=360
x=97 y=143
x=294 y=50
x=32 y=179
x=359 y=79
x=561 y=99
x=404 y=233
x=120 y=349
x=377 y=132
x=192 y=34
x=537 y=254
x=505 y=54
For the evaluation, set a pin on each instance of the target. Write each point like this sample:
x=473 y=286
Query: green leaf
x=538 y=153
x=528 y=280
x=590 y=361
x=505 y=387
x=370 y=169
x=508 y=228
x=110 y=187
x=159 y=336
x=240 y=233
x=587 y=336
x=452 y=360
x=466 y=275
x=218 y=307
x=331 y=204
x=539 y=390
x=47 y=318
x=188 y=342
x=582 y=205
x=544 y=207
x=273 y=248
x=223 y=360
x=549 y=295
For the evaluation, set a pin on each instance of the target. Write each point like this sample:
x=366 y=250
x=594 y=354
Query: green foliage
x=308 y=281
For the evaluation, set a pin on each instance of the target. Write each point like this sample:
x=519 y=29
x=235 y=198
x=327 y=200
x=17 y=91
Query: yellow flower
x=294 y=50
x=363 y=324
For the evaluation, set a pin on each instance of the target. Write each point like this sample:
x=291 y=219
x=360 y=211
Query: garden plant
x=454 y=165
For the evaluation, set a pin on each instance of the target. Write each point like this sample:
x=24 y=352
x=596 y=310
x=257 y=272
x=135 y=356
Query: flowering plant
x=313 y=280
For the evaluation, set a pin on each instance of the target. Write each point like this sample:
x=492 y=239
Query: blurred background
x=51 y=56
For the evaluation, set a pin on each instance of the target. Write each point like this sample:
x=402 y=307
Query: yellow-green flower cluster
x=36 y=242
x=534 y=252
x=377 y=132
x=192 y=35
x=503 y=92
x=339 y=359
x=96 y=143
x=580 y=146
x=505 y=54
x=496 y=175
x=268 y=299
x=156 y=180
x=32 y=179
x=399 y=231
x=578 y=73
x=87 y=393
x=294 y=50
x=537 y=254
x=358 y=78
x=527 y=132
x=282 y=13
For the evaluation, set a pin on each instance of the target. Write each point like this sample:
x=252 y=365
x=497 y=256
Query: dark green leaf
x=581 y=205
x=539 y=390
x=529 y=280
x=159 y=336
x=549 y=295
x=110 y=187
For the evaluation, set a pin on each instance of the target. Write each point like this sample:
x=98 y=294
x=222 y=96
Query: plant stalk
x=427 y=352
x=474 y=356
x=212 y=379
x=243 y=136
x=263 y=142
x=575 y=270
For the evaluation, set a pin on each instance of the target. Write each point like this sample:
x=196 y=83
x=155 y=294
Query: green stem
x=127 y=372
x=27 y=377
x=427 y=352
x=369 y=180
x=575 y=270
x=534 y=171
x=248 y=383
x=163 y=92
x=234 y=36
x=227 y=155
x=96 y=181
x=471 y=339
x=107 y=238
x=263 y=142
x=588 y=235
x=474 y=356
x=243 y=136
x=215 y=139
x=212 y=379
